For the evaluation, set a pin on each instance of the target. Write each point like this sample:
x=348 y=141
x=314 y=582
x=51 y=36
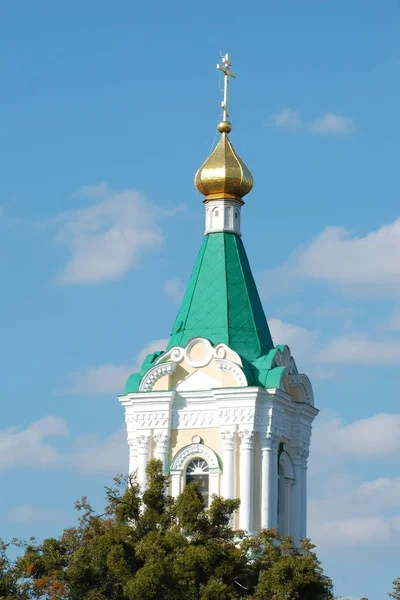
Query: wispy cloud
x=358 y=349
x=97 y=191
x=31 y=446
x=109 y=378
x=107 y=239
x=372 y=438
x=299 y=339
x=367 y=265
x=328 y=124
x=174 y=289
x=26 y=513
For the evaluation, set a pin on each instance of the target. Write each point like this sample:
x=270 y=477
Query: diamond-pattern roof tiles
x=221 y=302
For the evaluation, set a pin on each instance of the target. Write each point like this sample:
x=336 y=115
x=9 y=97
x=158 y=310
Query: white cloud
x=366 y=265
x=356 y=349
x=331 y=123
x=154 y=346
x=21 y=515
x=108 y=378
x=174 y=288
x=328 y=124
x=333 y=311
x=87 y=453
x=393 y=322
x=107 y=239
x=29 y=447
x=302 y=344
x=347 y=514
x=299 y=340
x=99 y=190
x=371 y=438
x=103 y=379
x=93 y=455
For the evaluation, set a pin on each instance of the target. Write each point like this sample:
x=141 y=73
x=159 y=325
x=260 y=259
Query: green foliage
x=395 y=593
x=151 y=547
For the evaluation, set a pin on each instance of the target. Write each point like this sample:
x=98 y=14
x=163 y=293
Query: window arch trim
x=186 y=454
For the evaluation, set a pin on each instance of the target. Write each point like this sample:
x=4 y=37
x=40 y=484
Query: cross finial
x=227 y=73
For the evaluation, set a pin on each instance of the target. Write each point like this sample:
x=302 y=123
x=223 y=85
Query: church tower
x=222 y=405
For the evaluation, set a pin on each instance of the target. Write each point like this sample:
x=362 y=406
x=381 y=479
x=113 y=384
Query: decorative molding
x=302 y=391
x=300 y=452
x=270 y=441
x=150 y=420
x=162 y=442
x=228 y=437
x=143 y=443
x=286 y=461
x=230 y=367
x=184 y=418
x=193 y=419
x=178 y=354
x=154 y=374
x=301 y=432
x=247 y=439
x=236 y=416
x=184 y=455
x=133 y=447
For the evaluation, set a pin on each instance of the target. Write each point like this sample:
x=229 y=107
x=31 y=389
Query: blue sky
x=106 y=112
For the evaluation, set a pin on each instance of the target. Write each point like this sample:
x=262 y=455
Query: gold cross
x=227 y=73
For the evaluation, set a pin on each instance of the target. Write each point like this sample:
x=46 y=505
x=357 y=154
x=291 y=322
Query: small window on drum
x=197 y=470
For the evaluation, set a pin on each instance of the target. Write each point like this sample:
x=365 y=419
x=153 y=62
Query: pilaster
x=246 y=479
x=269 y=480
x=228 y=437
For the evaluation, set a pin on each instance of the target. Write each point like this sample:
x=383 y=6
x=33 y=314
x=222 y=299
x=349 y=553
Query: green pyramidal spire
x=221 y=301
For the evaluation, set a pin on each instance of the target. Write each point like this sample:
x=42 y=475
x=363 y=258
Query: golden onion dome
x=223 y=174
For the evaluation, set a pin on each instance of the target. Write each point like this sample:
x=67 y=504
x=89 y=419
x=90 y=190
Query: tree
x=147 y=547
x=395 y=593
x=10 y=587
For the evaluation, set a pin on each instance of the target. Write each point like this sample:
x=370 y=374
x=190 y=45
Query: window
x=197 y=470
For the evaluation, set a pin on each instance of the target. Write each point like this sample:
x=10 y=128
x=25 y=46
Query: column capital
x=132 y=443
x=247 y=438
x=270 y=440
x=228 y=437
x=143 y=442
x=162 y=441
x=300 y=452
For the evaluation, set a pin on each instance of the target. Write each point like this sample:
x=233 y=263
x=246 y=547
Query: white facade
x=253 y=442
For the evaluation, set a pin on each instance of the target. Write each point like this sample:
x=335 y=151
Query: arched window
x=197 y=470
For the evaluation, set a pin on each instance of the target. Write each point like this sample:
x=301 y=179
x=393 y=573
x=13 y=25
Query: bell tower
x=222 y=405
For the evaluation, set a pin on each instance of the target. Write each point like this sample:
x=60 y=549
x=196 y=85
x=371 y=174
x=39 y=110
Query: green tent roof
x=221 y=302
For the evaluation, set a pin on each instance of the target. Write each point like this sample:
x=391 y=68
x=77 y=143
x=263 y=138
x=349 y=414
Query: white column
x=246 y=480
x=303 y=525
x=175 y=484
x=143 y=445
x=132 y=456
x=228 y=457
x=297 y=496
x=269 y=482
x=162 y=449
x=288 y=494
x=214 y=475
